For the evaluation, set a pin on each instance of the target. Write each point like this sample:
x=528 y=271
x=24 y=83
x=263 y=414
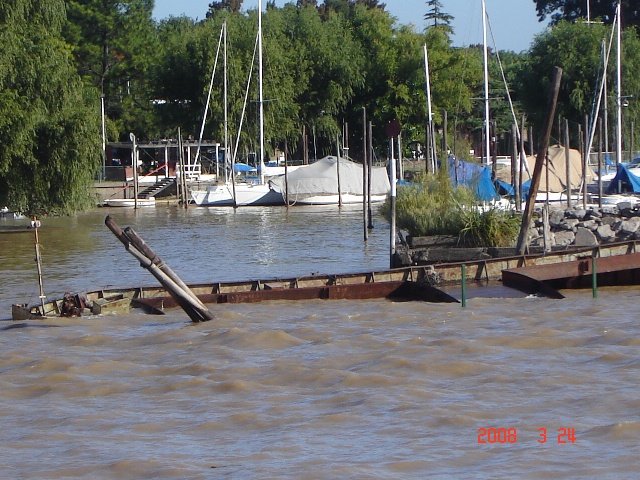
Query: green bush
x=433 y=206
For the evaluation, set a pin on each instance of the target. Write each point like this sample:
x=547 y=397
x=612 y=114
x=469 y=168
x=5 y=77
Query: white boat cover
x=321 y=178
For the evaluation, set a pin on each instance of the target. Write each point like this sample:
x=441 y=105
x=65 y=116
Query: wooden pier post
x=540 y=158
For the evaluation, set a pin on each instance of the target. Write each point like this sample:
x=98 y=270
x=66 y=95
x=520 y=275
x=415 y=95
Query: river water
x=504 y=388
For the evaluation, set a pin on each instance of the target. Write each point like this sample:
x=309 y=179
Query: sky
x=512 y=22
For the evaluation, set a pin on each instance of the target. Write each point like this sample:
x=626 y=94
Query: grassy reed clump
x=489 y=228
x=433 y=206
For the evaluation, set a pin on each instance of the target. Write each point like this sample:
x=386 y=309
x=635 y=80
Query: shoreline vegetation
x=82 y=76
x=432 y=206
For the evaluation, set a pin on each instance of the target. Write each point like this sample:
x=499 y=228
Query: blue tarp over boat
x=629 y=181
x=475 y=176
x=243 y=167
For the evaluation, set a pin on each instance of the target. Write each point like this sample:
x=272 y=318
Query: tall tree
x=49 y=122
x=232 y=6
x=577 y=49
x=572 y=10
x=114 y=44
x=435 y=16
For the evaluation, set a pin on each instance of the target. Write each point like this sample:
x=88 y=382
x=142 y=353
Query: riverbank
x=566 y=227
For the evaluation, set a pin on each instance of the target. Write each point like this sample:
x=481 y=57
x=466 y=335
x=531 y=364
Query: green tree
x=179 y=74
x=577 y=48
x=232 y=6
x=114 y=43
x=572 y=10
x=435 y=16
x=49 y=122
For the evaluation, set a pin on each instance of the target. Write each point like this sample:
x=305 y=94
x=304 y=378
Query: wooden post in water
x=514 y=164
x=585 y=163
x=364 y=174
x=338 y=172
x=600 y=163
x=594 y=276
x=134 y=164
x=521 y=165
x=542 y=153
x=392 y=179
x=35 y=224
x=567 y=161
x=183 y=296
x=369 y=171
x=463 y=279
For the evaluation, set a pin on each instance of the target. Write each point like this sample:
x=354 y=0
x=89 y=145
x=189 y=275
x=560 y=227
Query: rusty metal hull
x=415 y=282
x=614 y=270
x=394 y=290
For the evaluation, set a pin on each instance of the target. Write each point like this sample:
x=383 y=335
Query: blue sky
x=513 y=22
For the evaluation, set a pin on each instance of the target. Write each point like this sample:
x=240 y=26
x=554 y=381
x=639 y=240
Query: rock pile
x=588 y=227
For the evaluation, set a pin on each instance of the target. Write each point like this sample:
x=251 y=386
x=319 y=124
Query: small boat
x=217 y=195
x=331 y=181
x=130 y=202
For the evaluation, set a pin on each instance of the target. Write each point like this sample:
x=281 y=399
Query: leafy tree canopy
x=435 y=16
x=114 y=43
x=49 y=122
x=578 y=50
x=572 y=10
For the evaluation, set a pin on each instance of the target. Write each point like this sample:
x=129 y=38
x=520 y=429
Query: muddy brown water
x=507 y=387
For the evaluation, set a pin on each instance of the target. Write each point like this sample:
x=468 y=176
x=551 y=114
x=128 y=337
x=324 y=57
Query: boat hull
x=246 y=194
x=130 y=202
x=346 y=199
x=214 y=195
x=378 y=284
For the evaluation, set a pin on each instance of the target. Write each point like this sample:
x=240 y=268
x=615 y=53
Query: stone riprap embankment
x=587 y=227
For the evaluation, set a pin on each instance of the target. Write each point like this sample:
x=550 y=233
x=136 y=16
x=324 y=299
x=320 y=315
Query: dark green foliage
x=577 y=48
x=114 y=44
x=435 y=16
x=602 y=10
x=432 y=206
x=232 y=6
x=49 y=122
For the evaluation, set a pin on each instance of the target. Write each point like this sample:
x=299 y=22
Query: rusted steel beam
x=396 y=290
x=614 y=270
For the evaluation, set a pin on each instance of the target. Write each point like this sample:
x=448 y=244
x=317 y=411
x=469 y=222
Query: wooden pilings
x=540 y=160
x=182 y=295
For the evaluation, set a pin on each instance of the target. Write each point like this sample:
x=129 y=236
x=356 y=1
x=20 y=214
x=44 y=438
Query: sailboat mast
x=431 y=159
x=226 y=112
x=619 y=88
x=260 y=97
x=487 y=153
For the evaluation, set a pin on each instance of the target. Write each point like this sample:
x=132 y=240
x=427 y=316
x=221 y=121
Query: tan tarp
x=557 y=170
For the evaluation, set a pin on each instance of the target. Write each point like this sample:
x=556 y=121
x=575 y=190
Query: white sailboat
x=247 y=193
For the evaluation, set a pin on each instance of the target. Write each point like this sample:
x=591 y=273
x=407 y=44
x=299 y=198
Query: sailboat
x=247 y=193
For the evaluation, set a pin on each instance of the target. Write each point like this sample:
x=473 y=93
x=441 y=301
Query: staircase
x=157 y=188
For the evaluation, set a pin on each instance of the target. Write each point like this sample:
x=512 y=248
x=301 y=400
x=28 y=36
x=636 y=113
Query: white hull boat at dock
x=130 y=202
x=246 y=194
x=345 y=199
